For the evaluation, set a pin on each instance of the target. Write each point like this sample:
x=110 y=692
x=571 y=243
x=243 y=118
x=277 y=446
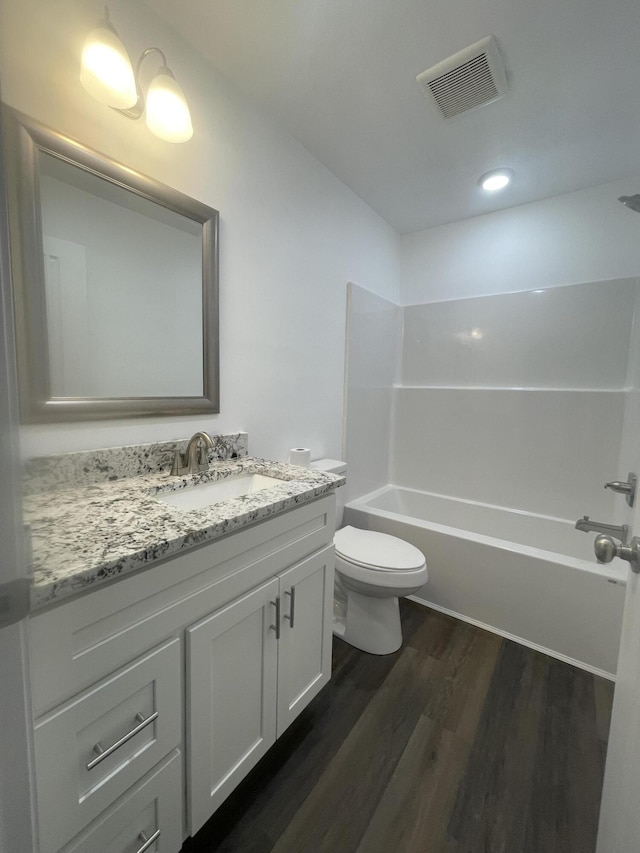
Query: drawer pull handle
x=292 y=610
x=105 y=753
x=147 y=841
x=276 y=627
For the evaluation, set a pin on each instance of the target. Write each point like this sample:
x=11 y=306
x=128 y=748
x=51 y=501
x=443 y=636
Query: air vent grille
x=470 y=79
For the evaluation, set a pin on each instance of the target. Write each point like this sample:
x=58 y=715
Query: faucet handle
x=627 y=488
x=178 y=465
x=203 y=456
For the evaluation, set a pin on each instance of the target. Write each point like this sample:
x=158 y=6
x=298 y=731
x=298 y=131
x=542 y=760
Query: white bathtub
x=528 y=577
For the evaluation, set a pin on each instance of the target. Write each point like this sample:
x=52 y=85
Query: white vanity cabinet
x=251 y=668
x=97 y=745
x=186 y=672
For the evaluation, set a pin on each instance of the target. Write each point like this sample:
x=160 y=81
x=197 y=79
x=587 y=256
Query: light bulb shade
x=106 y=71
x=495 y=180
x=167 y=110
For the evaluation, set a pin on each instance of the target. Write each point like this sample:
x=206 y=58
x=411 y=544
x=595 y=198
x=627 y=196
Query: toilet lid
x=377 y=550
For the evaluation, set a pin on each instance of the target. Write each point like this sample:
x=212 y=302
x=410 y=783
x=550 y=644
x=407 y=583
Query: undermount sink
x=208 y=494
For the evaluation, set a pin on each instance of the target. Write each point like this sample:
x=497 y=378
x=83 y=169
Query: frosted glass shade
x=167 y=111
x=495 y=180
x=106 y=71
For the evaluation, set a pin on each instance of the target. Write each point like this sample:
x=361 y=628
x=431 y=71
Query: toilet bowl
x=372 y=571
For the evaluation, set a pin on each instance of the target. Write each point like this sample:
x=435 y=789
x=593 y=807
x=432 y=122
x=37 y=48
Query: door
x=619 y=830
x=232 y=674
x=17 y=833
x=304 y=662
x=65 y=280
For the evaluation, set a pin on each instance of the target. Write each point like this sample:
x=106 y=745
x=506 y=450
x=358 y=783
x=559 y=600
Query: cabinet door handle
x=143 y=722
x=276 y=627
x=292 y=609
x=147 y=841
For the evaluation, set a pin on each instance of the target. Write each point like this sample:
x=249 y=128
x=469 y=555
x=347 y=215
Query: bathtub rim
x=611 y=572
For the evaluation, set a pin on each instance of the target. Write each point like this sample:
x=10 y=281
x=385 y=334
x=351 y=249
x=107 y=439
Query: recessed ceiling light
x=496 y=179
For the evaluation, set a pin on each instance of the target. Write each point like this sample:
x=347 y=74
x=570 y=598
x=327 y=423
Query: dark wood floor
x=460 y=742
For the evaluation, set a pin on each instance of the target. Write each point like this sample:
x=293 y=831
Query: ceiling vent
x=471 y=78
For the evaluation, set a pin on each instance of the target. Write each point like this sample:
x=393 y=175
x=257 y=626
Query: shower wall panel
x=374 y=329
x=563 y=337
x=518 y=399
x=546 y=452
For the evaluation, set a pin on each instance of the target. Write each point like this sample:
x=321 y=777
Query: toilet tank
x=334 y=466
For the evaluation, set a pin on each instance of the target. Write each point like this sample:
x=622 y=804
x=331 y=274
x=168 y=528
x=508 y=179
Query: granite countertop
x=90 y=534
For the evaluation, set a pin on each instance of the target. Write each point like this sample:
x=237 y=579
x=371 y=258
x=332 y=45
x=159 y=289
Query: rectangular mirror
x=115 y=285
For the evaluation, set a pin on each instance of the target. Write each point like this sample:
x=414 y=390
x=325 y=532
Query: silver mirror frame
x=24 y=139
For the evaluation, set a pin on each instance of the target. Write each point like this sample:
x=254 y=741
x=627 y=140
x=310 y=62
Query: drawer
x=79 y=642
x=90 y=750
x=150 y=812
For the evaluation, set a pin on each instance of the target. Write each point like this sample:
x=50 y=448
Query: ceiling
x=339 y=75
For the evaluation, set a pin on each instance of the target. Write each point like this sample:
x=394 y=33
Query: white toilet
x=372 y=571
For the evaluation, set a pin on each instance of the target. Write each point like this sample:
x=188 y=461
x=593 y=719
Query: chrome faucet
x=195 y=458
x=618 y=531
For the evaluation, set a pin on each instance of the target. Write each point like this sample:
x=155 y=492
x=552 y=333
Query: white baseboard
x=565 y=658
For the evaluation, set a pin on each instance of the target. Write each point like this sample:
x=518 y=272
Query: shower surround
x=514 y=406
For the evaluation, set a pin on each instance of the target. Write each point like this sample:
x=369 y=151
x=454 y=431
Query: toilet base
x=371 y=624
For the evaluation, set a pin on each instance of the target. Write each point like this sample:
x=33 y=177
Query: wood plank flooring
x=461 y=742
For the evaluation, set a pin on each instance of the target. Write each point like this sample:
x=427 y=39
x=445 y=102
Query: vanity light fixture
x=108 y=76
x=496 y=179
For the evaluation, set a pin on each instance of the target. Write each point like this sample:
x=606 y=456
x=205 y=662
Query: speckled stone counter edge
x=83 y=468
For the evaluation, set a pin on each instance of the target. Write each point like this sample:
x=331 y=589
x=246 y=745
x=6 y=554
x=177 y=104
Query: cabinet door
x=304 y=662
x=232 y=678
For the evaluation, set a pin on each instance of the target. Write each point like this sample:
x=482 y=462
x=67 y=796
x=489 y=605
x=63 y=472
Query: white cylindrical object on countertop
x=300 y=456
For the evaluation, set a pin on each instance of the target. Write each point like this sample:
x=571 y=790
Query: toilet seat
x=373 y=570
x=377 y=552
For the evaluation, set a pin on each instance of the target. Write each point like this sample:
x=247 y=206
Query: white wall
x=582 y=236
x=291 y=234
x=373 y=339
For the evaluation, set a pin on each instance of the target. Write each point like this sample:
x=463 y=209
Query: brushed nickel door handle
x=292 y=608
x=276 y=627
x=606 y=548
